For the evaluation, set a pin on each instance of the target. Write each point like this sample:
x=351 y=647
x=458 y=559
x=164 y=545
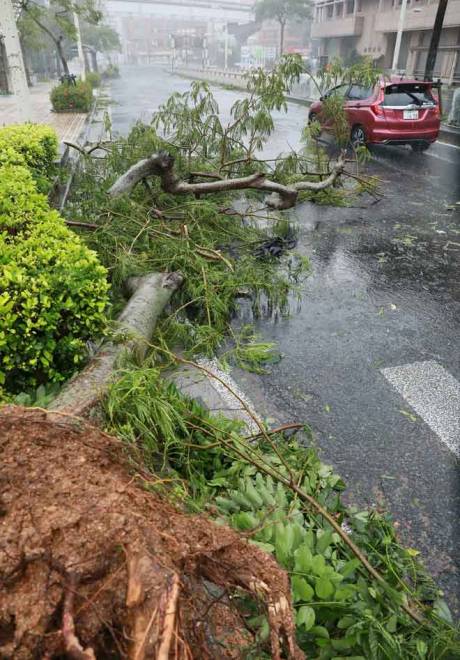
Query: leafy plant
x=34 y=145
x=341 y=611
x=94 y=79
x=67 y=97
x=53 y=290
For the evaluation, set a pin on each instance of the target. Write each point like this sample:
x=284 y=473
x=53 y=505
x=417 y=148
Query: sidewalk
x=68 y=126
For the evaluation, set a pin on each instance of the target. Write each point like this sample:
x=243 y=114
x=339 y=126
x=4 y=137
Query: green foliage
x=20 y=203
x=101 y=37
x=34 y=145
x=169 y=432
x=53 y=291
x=112 y=71
x=341 y=611
x=94 y=79
x=72 y=98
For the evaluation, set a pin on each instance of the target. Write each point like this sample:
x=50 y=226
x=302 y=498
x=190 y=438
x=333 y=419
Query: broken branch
x=162 y=165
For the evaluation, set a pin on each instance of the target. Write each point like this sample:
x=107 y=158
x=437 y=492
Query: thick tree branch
x=149 y=295
x=162 y=165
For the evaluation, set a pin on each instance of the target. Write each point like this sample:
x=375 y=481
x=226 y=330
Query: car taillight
x=377 y=109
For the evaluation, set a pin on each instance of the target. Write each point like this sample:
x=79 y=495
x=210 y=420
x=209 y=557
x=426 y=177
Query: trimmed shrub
x=53 y=290
x=112 y=71
x=34 y=145
x=94 y=79
x=72 y=98
x=20 y=203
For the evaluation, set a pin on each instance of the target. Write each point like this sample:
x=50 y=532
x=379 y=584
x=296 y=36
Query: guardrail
x=304 y=92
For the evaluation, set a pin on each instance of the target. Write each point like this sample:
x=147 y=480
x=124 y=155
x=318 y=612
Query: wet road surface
x=384 y=293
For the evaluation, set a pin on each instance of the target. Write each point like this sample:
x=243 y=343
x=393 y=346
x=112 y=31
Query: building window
x=350 y=6
x=330 y=11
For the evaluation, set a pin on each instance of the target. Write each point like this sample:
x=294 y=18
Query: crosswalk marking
x=434 y=394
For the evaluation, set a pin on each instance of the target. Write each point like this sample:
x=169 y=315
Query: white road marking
x=447 y=144
x=434 y=394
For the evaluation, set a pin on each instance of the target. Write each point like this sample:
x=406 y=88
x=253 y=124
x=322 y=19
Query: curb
x=450 y=135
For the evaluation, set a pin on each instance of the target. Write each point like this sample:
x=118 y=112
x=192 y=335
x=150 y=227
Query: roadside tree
x=282 y=11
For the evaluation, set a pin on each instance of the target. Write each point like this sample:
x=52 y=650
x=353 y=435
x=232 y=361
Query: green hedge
x=53 y=290
x=34 y=145
x=94 y=79
x=72 y=98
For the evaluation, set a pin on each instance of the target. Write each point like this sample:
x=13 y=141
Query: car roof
x=395 y=80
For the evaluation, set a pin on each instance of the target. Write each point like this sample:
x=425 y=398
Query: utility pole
x=402 y=16
x=435 y=37
x=16 y=71
x=226 y=47
x=81 y=55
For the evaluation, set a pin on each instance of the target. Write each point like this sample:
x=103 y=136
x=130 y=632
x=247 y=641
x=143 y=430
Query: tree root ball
x=92 y=565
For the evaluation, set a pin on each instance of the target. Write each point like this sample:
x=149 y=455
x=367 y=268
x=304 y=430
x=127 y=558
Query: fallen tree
x=149 y=296
x=93 y=565
x=162 y=165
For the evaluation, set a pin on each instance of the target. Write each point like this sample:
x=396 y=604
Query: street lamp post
x=402 y=16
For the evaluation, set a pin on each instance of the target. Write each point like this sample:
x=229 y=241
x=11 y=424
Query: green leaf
x=421 y=648
x=305 y=617
x=324 y=588
x=320 y=631
x=318 y=564
x=301 y=589
x=324 y=541
x=303 y=559
x=345 y=622
x=392 y=623
x=348 y=568
x=441 y=609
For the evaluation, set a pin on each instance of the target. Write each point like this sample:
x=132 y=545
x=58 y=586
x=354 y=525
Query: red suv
x=392 y=112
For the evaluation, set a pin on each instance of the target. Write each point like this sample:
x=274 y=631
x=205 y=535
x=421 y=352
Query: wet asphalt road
x=384 y=292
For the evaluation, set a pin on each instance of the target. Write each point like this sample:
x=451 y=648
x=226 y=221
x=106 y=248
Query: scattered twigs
x=279 y=429
x=72 y=645
x=85 y=225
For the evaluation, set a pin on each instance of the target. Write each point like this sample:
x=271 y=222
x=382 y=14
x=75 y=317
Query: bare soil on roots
x=92 y=565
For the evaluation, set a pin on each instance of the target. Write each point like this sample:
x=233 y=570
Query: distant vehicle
x=393 y=112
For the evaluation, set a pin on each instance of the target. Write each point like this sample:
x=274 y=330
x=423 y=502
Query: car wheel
x=418 y=147
x=358 y=136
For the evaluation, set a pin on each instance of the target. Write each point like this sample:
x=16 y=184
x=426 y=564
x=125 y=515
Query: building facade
x=349 y=28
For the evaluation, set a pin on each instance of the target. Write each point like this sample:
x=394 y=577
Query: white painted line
x=233 y=402
x=447 y=144
x=434 y=394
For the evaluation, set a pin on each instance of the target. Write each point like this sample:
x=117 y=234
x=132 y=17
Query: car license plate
x=410 y=114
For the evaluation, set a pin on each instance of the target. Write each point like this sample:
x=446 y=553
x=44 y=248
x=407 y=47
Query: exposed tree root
x=162 y=165
x=150 y=294
x=94 y=566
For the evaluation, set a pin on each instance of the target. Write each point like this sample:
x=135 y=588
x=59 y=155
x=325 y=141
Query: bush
x=93 y=78
x=112 y=71
x=72 y=98
x=53 y=290
x=20 y=203
x=34 y=145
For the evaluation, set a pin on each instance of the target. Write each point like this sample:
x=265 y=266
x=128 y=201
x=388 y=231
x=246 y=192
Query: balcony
x=387 y=21
x=348 y=26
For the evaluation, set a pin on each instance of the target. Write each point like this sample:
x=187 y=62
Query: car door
x=355 y=102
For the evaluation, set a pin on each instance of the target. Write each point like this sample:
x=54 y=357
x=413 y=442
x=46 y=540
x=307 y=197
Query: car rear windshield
x=403 y=95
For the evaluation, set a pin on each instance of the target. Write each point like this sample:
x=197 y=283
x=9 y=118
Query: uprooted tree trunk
x=162 y=165
x=94 y=566
x=149 y=296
